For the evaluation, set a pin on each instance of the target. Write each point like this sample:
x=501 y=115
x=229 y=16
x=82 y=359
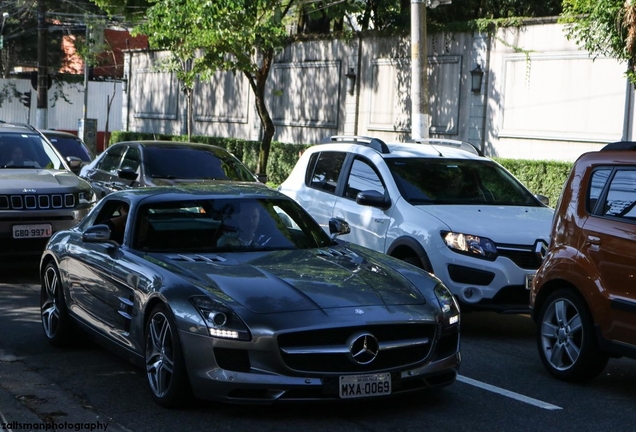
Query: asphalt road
x=502 y=386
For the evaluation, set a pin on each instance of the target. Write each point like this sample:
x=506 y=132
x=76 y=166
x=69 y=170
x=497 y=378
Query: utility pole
x=42 y=108
x=419 y=67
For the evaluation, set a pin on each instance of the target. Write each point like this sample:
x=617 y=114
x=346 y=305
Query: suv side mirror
x=373 y=198
x=543 y=199
x=74 y=163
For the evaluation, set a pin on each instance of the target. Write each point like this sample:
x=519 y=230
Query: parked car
x=136 y=164
x=440 y=207
x=292 y=315
x=69 y=145
x=39 y=194
x=583 y=295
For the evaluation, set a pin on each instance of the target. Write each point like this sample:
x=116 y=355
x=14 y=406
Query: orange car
x=583 y=296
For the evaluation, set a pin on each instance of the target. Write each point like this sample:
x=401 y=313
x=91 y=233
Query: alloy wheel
x=159 y=354
x=562 y=334
x=49 y=307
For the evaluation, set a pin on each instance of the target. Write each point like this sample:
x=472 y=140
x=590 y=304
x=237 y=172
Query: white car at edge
x=451 y=211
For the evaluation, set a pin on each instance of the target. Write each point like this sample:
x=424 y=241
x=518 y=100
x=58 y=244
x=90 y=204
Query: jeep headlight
x=469 y=244
x=86 y=197
x=448 y=304
x=222 y=322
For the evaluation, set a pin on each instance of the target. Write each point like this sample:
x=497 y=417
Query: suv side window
x=111 y=160
x=326 y=170
x=362 y=177
x=621 y=197
x=597 y=184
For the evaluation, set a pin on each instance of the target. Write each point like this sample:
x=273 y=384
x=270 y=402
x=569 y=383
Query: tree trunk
x=257 y=83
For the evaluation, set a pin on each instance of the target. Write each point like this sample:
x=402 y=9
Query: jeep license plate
x=31 y=231
x=355 y=386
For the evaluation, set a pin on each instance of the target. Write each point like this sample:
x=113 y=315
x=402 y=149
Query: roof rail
x=26 y=125
x=463 y=145
x=374 y=143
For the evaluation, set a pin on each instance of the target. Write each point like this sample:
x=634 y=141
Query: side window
x=326 y=170
x=132 y=159
x=362 y=178
x=111 y=160
x=597 y=184
x=621 y=197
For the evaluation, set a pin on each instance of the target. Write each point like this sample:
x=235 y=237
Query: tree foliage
x=604 y=27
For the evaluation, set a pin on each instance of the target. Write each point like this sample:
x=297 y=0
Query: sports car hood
x=298 y=280
x=42 y=180
x=502 y=224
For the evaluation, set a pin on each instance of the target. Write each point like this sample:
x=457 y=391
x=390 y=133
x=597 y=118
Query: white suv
x=453 y=212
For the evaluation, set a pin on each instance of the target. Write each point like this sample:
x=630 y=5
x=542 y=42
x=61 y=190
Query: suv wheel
x=567 y=343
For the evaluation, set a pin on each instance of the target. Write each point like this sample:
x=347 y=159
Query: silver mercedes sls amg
x=232 y=292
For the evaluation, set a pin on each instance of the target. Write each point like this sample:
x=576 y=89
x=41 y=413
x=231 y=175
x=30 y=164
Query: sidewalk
x=29 y=403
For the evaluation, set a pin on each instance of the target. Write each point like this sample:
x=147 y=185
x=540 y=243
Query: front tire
x=165 y=367
x=567 y=343
x=56 y=322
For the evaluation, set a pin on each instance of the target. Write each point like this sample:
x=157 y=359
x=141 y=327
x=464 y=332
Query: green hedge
x=541 y=177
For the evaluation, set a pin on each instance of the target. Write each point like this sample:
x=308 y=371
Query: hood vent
x=198 y=258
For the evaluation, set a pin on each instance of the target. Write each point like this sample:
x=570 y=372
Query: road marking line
x=4 y=422
x=508 y=393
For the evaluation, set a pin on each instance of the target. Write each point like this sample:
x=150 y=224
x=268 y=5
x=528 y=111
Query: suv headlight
x=480 y=247
x=222 y=321
x=86 y=197
x=448 y=304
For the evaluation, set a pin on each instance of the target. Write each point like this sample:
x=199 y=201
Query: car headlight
x=86 y=197
x=448 y=304
x=222 y=321
x=469 y=244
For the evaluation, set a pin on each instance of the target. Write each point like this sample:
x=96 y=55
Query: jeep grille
x=37 y=202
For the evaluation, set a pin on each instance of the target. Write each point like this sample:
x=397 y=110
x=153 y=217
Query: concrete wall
x=541 y=97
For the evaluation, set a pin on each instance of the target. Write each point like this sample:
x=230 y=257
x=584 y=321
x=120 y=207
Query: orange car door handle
x=594 y=240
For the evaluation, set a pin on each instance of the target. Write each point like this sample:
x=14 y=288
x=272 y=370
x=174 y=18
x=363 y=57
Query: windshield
x=70 y=146
x=194 y=163
x=457 y=181
x=22 y=150
x=226 y=225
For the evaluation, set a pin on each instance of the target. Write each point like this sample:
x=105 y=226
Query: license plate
x=529 y=279
x=31 y=231
x=355 y=386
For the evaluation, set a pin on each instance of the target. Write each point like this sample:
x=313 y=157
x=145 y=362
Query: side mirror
x=373 y=198
x=543 y=199
x=127 y=174
x=74 y=163
x=96 y=234
x=338 y=227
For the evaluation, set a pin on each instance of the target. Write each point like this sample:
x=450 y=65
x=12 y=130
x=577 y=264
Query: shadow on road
x=19 y=271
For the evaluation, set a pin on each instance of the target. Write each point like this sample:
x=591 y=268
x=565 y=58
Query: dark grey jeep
x=39 y=194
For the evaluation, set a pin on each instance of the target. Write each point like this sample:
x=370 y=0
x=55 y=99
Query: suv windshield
x=70 y=146
x=194 y=163
x=25 y=150
x=457 y=181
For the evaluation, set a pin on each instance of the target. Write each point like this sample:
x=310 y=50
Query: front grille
x=524 y=256
x=331 y=362
x=37 y=202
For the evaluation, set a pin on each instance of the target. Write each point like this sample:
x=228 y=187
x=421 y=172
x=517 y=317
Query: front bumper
x=498 y=285
x=260 y=385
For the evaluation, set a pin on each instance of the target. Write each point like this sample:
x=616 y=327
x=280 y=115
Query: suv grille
x=37 y=202
x=406 y=354
x=524 y=256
